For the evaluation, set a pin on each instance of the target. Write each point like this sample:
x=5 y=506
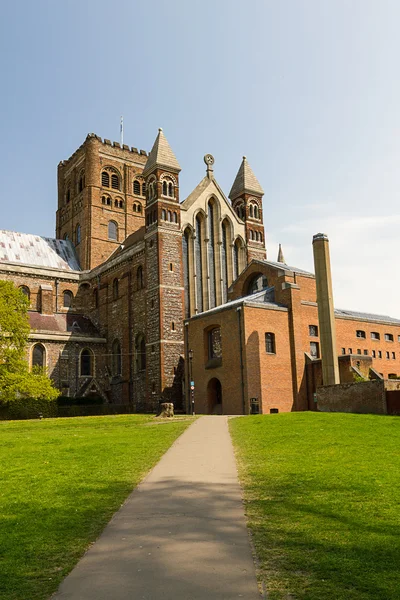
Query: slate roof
x=63 y=323
x=245 y=181
x=286 y=267
x=264 y=297
x=352 y=314
x=28 y=249
x=161 y=155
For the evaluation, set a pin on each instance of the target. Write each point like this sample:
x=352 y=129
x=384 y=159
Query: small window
x=171 y=266
x=26 y=291
x=164 y=214
x=255 y=212
x=105 y=179
x=173 y=326
x=112 y=230
x=313 y=330
x=214 y=343
x=314 y=349
x=140 y=350
x=78 y=234
x=38 y=356
x=117 y=358
x=136 y=187
x=115 y=289
x=359 y=351
x=379 y=353
x=388 y=337
x=143 y=189
x=360 y=333
x=387 y=354
x=350 y=350
x=394 y=355
x=96 y=297
x=373 y=354
x=375 y=335
x=68 y=196
x=169 y=216
x=115 y=181
x=86 y=363
x=139 y=278
x=170 y=190
x=270 y=343
x=67 y=299
x=164 y=188
x=174 y=217
x=251 y=211
x=398 y=338
x=366 y=352
x=343 y=350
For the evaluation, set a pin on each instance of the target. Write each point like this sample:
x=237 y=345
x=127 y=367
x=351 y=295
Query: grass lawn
x=61 y=481
x=322 y=497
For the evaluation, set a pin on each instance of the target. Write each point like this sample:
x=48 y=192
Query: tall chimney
x=326 y=316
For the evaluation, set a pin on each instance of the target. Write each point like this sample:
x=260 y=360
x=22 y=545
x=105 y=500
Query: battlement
x=105 y=142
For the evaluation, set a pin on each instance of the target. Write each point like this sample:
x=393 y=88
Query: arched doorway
x=214 y=397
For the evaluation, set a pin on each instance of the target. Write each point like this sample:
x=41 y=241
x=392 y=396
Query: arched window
x=174 y=217
x=105 y=179
x=224 y=259
x=185 y=255
x=117 y=358
x=136 y=187
x=66 y=236
x=96 y=297
x=257 y=284
x=26 y=291
x=251 y=210
x=81 y=183
x=115 y=181
x=270 y=343
x=38 y=356
x=143 y=189
x=214 y=343
x=139 y=278
x=198 y=248
x=140 y=352
x=112 y=230
x=211 y=254
x=68 y=196
x=170 y=190
x=169 y=216
x=78 y=234
x=115 y=288
x=261 y=237
x=67 y=299
x=164 y=188
x=86 y=363
x=164 y=214
x=255 y=211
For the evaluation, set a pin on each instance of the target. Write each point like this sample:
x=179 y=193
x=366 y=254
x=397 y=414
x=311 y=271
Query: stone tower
x=246 y=196
x=164 y=275
x=101 y=198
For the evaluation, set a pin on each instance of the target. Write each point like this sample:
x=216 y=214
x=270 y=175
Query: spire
x=281 y=258
x=245 y=181
x=161 y=155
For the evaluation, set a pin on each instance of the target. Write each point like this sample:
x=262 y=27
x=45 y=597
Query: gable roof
x=28 y=249
x=161 y=155
x=245 y=181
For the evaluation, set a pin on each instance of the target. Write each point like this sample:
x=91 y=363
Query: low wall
x=364 y=397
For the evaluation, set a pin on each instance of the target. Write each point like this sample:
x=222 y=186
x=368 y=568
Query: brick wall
x=367 y=397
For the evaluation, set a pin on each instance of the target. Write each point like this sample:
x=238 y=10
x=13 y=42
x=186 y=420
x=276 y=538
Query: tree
x=16 y=381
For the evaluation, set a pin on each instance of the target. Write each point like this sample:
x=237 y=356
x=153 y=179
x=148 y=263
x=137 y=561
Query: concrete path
x=181 y=535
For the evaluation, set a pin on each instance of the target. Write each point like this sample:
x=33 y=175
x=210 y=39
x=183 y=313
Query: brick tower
x=246 y=196
x=164 y=276
x=101 y=198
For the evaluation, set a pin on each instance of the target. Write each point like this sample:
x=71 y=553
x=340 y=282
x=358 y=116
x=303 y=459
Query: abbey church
x=143 y=293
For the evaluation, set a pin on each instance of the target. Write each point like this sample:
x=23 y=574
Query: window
x=136 y=187
x=388 y=337
x=350 y=350
x=375 y=335
x=112 y=230
x=96 y=297
x=67 y=299
x=174 y=217
x=81 y=183
x=115 y=181
x=139 y=278
x=251 y=211
x=270 y=343
x=394 y=355
x=26 y=291
x=173 y=326
x=398 y=338
x=115 y=289
x=257 y=284
x=68 y=196
x=164 y=214
x=86 y=363
x=379 y=353
x=170 y=190
x=314 y=349
x=214 y=343
x=78 y=234
x=143 y=189
x=171 y=266
x=313 y=330
x=140 y=351
x=387 y=354
x=137 y=207
x=343 y=350
x=117 y=358
x=255 y=211
x=38 y=356
x=360 y=333
x=105 y=179
x=373 y=354
x=366 y=352
x=164 y=188
x=359 y=351
x=106 y=200
x=118 y=203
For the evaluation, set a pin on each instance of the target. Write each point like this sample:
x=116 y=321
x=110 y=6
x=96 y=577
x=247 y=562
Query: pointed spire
x=245 y=181
x=161 y=155
x=281 y=258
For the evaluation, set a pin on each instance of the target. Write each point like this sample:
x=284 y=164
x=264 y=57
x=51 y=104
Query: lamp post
x=191 y=379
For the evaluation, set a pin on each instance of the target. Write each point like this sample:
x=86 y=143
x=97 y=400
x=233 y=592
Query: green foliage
x=358 y=378
x=17 y=383
x=61 y=482
x=321 y=493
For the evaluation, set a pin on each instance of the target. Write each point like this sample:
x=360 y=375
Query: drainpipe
x=56 y=282
x=130 y=331
x=239 y=310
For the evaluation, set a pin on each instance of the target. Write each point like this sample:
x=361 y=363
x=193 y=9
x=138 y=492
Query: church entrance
x=214 y=397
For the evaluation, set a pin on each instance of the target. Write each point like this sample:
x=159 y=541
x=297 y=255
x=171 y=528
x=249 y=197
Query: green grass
x=61 y=481
x=322 y=498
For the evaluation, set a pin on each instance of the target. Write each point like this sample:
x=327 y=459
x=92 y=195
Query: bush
x=28 y=408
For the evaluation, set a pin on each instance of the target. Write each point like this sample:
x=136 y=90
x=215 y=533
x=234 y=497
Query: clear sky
x=309 y=90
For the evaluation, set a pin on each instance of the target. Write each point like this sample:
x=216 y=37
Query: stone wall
x=362 y=398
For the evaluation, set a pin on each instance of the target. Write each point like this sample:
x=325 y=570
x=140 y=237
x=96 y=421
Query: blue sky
x=308 y=90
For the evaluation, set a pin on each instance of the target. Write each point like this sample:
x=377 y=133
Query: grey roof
x=286 y=267
x=161 y=155
x=263 y=297
x=352 y=314
x=245 y=181
x=28 y=249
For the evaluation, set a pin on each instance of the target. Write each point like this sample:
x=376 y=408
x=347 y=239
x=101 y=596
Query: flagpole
x=122 y=131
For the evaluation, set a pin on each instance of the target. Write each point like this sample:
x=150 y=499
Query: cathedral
x=144 y=297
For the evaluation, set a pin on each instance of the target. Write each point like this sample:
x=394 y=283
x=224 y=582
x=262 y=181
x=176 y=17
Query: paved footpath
x=181 y=535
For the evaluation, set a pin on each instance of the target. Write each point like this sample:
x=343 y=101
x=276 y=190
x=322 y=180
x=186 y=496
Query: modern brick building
x=138 y=279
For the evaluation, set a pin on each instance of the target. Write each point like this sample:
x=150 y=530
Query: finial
x=244 y=157
x=209 y=160
x=281 y=258
x=160 y=129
